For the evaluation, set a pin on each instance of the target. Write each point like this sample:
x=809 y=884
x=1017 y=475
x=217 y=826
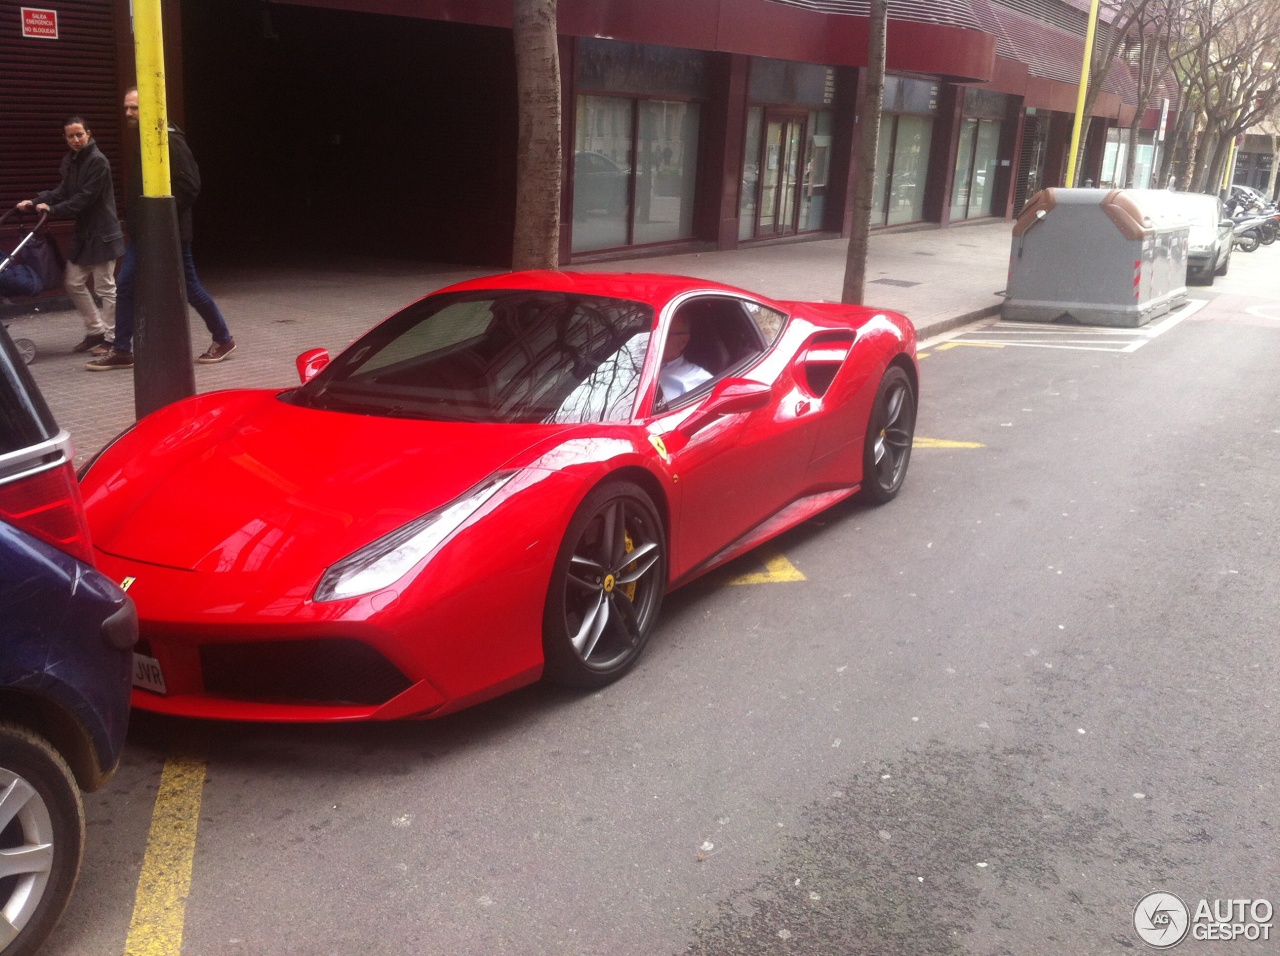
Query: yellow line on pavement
x=778 y=570
x=160 y=908
x=919 y=442
x=975 y=345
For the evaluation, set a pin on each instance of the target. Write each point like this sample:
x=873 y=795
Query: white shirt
x=679 y=375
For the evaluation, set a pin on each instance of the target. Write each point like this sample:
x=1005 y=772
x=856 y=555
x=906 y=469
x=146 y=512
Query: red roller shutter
x=42 y=81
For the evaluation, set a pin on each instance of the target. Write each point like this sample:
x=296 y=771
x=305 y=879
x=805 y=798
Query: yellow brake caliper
x=630 y=589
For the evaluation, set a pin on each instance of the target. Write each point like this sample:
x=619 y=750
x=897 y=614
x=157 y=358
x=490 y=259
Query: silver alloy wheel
x=606 y=588
x=890 y=431
x=611 y=571
x=26 y=855
x=893 y=445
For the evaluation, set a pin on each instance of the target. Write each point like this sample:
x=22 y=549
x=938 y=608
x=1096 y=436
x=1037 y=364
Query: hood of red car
x=242 y=485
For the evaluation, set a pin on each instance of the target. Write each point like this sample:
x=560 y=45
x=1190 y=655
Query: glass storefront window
x=666 y=171
x=910 y=169
x=601 y=172
x=627 y=193
x=817 y=167
x=1114 y=157
x=884 y=154
x=750 y=174
x=964 y=171
x=985 y=160
x=973 y=192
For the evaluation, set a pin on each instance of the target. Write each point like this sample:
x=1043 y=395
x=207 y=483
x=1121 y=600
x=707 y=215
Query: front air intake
x=338 y=671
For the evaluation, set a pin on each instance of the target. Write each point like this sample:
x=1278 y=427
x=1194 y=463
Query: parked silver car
x=1210 y=242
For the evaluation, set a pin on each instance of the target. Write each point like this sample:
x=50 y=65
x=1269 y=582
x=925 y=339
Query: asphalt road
x=994 y=715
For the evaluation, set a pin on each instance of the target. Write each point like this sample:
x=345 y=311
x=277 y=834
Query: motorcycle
x=1256 y=222
x=1248 y=230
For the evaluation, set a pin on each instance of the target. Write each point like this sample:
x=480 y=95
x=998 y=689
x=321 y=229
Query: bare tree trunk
x=536 y=242
x=855 y=267
x=1175 y=141
x=1131 y=157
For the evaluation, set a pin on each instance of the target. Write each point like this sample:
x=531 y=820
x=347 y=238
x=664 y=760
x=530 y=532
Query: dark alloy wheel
x=41 y=839
x=606 y=588
x=890 y=431
x=1248 y=240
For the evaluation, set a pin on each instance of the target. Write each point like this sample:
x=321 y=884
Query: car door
x=733 y=471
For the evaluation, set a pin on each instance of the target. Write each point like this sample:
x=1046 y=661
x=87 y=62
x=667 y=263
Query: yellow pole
x=1084 y=89
x=153 y=116
x=1229 y=173
x=162 y=369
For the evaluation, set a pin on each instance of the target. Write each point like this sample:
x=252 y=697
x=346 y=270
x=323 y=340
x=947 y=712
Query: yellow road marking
x=778 y=570
x=975 y=345
x=160 y=908
x=919 y=442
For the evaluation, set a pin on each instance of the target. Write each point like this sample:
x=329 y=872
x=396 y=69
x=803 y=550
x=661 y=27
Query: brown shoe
x=102 y=349
x=113 y=359
x=89 y=341
x=217 y=352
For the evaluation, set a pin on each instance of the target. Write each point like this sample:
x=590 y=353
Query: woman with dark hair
x=86 y=195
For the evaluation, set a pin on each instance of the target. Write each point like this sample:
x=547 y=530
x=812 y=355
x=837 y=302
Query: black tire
x=606 y=588
x=1267 y=232
x=890 y=430
x=39 y=806
x=1248 y=241
x=1226 y=263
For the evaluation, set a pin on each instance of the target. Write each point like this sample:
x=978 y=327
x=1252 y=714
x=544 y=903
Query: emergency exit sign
x=39 y=24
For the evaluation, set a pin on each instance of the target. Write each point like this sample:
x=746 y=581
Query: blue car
x=66 y=639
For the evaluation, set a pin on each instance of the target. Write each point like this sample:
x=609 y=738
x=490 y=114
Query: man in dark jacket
x=185 y=175
x=86 y=194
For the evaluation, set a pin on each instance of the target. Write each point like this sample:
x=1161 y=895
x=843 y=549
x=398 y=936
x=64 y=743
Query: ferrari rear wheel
x=41 y=838
x=606 y=588
x=890 y=431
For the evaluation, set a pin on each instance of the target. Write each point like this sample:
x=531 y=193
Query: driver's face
x=677 y=339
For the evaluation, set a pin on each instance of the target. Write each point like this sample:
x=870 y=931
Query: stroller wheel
x=27 y=349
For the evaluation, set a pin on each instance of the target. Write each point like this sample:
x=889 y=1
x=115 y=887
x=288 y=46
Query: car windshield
x=1202 y=215
x=494 y=356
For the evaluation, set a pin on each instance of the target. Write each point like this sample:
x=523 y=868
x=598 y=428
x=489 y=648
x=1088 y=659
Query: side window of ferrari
x=768 y=321
x=709 y=337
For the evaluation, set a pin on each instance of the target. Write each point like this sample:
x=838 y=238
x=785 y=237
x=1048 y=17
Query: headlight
x=394 y=555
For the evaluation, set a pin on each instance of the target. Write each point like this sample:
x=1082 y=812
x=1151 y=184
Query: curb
x=938 y=326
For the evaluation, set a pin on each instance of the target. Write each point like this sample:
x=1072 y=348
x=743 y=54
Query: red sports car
x=499 y=482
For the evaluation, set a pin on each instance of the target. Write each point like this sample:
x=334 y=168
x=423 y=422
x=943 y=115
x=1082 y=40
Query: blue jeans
x=197 y=298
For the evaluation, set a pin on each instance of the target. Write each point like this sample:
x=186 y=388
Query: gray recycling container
x=1115 y=257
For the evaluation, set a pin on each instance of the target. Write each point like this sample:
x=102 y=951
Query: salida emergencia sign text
x=39 y=24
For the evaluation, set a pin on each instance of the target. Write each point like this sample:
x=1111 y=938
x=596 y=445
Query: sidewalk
x=939 y=278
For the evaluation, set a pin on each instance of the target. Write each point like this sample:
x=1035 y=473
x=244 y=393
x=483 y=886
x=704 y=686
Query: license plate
x=147 y=674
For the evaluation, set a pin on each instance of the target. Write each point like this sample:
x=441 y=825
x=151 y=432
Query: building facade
x=390 y=125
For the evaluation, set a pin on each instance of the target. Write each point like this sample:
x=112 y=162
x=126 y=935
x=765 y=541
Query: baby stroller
x=34 y=265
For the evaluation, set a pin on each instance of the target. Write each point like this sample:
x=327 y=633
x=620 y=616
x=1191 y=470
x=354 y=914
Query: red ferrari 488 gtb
x=499 y=482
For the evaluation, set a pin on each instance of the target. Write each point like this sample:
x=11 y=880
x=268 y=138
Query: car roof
x=655 y=289
x=1200 y=206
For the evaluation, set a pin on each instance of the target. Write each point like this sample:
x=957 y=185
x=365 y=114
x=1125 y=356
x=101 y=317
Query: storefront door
x=779 y=174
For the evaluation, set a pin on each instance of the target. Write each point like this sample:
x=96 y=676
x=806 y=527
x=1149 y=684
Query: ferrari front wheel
x=890 y=431
x=41 y=838
x=606 y=587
